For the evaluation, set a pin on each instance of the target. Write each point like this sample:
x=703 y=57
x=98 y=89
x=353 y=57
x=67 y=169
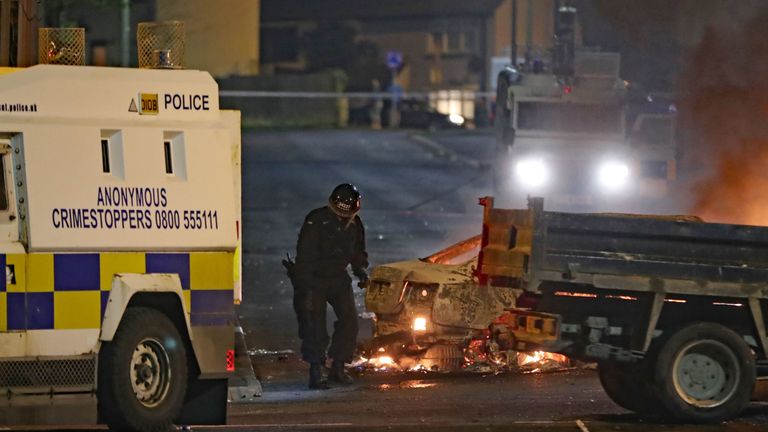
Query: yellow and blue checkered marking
x=70 y=291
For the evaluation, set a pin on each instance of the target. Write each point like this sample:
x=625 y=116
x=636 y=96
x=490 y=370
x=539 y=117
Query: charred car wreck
x=433 y=307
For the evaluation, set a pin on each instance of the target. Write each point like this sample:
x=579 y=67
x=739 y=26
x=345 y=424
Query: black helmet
x=345 y=200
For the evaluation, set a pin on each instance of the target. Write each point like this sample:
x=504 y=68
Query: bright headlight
x=531 y=172
x=420 y=324
x=456 y=119
x=613 y=175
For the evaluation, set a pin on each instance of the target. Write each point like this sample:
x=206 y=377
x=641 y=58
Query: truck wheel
x=627 y=384
x=142 y=373
x=704 y=373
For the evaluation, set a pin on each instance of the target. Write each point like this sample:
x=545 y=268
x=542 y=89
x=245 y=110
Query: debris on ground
x=478 y=356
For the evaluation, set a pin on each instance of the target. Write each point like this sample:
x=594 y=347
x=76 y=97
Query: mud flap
x=244 y=387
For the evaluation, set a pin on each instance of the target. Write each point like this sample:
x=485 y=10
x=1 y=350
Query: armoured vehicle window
x=3 y=190
x=168 y=160
x=105 y=156
x=569 y=117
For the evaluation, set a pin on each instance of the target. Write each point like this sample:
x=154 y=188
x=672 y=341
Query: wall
x=222 y=36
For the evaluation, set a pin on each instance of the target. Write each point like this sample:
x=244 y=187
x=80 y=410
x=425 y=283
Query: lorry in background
x=563 y=131
x=572 y=142
x=119 y=236
x=673 y=309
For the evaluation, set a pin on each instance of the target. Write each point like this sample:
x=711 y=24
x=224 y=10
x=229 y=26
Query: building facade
x=222 y=36
x=443 y=43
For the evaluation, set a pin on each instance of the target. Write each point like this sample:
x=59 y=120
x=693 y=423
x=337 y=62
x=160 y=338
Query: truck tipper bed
x=672 y=308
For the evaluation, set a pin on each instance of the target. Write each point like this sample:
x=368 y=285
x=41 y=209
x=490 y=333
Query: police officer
x=331 y=239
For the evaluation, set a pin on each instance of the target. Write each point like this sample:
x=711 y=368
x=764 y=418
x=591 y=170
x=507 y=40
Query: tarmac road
x=419 y=195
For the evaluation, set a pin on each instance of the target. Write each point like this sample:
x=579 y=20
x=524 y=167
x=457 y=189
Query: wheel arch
x=742 y=315
x=157 y=291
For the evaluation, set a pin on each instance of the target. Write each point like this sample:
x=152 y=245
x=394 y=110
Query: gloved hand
x=363 y=280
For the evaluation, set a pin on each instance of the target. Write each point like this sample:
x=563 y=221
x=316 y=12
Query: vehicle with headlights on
x=432 y=301
x=568 y=138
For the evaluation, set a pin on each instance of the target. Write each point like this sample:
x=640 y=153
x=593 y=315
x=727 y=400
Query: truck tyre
x=628 y=385
x=704 y=373
x=142 y=373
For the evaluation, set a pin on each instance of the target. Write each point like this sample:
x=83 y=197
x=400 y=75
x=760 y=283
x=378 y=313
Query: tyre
x=628 y=385
x=142 y=373
x=704 y=373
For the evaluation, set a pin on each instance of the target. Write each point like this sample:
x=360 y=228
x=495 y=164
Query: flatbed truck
x=671 y=308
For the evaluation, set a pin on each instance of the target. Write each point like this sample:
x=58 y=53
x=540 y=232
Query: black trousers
x=310 y=306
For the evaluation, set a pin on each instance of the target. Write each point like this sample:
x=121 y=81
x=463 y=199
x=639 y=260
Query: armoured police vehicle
x=119 y=233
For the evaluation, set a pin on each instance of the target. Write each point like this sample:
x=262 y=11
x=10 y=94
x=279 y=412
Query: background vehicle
x=414 y=114
x=119 y=214
x=672 y=308
x=562 y=133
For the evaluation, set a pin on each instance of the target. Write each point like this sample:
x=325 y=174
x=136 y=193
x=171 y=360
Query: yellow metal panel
x=235 y=265
x=112 y=263
x=40 y=273
x=7 y=70
x=19 y=263
x=187 y=300
x=3 y=312
x=76 y=309
x=211 y=270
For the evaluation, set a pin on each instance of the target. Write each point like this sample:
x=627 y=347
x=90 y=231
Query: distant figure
x=331 y=239
x=376 y=106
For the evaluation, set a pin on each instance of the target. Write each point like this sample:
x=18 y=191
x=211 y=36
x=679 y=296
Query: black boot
x=339 y=374
x=316 y=379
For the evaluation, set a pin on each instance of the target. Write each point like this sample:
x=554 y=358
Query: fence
x=275 y=108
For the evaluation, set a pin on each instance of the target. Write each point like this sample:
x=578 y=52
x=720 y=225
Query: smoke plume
x=724 y=113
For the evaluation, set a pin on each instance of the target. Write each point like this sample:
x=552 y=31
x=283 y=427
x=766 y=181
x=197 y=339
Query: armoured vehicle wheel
x=704 y=373
x=142 y=373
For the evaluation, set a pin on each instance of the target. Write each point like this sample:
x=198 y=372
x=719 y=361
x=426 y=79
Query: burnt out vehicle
x=433 y=306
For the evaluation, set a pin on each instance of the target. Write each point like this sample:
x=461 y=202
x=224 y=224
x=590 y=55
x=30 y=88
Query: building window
x=451 y=42
x=3 y=189
x=435 y=43
x=435 y=75
x=105 y=156
x=454 y=41
x=168 y=157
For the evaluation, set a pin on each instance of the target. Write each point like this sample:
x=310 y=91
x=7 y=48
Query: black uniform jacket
x=327 y=245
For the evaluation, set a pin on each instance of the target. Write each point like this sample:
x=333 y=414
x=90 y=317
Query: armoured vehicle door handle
x=12 y=217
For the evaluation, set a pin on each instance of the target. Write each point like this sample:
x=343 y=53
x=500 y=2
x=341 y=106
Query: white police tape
x=439 y=95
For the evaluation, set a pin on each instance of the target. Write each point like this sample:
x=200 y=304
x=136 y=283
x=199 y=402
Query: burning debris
x=479 y=356
x=541 y=361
